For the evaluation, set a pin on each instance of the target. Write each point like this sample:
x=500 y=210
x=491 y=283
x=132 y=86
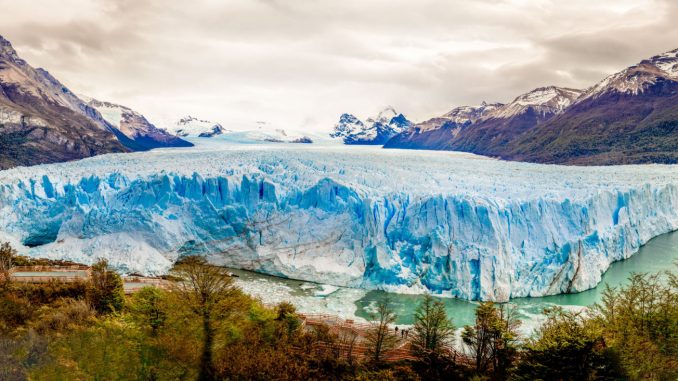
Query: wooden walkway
x=78 y=273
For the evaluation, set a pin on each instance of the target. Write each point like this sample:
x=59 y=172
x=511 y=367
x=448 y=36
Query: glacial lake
x=659 y=254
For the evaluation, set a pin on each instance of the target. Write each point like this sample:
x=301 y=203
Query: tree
x=204 y=288
x=433 y=330
x=640 y=322
x=7 y=254
x=106 y=292
x=380 y=337
x=147 y=308
x=492 y=340
x=566 y=347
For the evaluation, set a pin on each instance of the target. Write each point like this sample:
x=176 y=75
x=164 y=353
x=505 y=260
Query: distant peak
x=543 y=95
x=4 y=41
x=7 y=50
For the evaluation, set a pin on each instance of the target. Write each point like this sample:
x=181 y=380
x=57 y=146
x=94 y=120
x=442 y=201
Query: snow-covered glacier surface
x=406 y=221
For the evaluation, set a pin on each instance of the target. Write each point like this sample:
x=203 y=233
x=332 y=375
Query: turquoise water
x=659 y=254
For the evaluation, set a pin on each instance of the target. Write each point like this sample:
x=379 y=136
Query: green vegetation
x=105 y=292
x=493 y=340
x=433 y=331
x=204 y=328
x=380 y=336
x=7 y=255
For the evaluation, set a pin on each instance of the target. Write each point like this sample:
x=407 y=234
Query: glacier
x=448 y=223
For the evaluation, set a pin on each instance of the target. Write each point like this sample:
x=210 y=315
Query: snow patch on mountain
x=668 y=62
x=190 y=126
x=544 y=101
x=459 y=116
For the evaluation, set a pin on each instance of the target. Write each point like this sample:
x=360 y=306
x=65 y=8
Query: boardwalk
x=78 y=273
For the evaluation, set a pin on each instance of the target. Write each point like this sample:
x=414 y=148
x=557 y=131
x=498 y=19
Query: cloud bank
x=299 y=64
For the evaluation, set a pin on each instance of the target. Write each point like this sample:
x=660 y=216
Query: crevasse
x=318 y=221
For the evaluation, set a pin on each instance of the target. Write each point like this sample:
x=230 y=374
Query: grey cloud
x=302 y=63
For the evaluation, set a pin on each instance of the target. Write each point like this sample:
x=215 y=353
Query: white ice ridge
x=408 y=221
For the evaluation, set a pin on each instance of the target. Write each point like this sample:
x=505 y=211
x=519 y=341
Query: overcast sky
x=299 y=64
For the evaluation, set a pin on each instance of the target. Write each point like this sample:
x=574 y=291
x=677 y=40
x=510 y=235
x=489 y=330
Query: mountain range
x=42 y=121
x=373 y=131
x=629 y=117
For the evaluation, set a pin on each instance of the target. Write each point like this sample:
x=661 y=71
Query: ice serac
x=408 y=221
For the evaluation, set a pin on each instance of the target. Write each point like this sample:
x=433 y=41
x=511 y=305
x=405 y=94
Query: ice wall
x=294 y=215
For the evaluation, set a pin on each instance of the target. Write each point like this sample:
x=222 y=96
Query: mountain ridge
x=629 y=117
x=42 y=121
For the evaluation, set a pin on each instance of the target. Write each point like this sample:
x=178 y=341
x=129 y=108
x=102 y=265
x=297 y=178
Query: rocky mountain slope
x=629 y=117
x=42 y=121
x=135 y=126
x=486 y=128
x=376 y=131
x=436 y=132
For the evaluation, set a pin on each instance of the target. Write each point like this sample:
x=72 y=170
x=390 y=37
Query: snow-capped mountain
x=192 y=127
x=42 y=121
x=377 y=130
x=628 y=117
x=480 y=129
x=469 y=114
x=638 y=78
x=544 y=101
x=458 y=117
x=135 y=126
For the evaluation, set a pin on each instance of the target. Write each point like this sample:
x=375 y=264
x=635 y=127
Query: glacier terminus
x=448 y=223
